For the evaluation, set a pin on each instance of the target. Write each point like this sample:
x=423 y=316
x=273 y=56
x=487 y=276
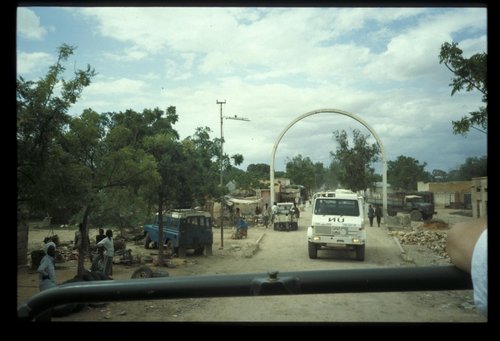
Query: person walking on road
x=378 y=214
x=371 y=214
x=266 y=215
x=274 y=211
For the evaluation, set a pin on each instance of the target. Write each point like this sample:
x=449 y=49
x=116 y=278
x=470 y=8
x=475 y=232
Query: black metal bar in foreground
x=297 y=282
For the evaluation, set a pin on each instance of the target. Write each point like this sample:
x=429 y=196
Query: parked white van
x=337 y=222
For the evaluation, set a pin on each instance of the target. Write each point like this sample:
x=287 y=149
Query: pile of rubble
x=435 y=224
x=433 y=240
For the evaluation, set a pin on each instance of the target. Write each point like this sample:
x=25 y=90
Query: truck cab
x=418 y=209
x=337 y=222
x=183 y=229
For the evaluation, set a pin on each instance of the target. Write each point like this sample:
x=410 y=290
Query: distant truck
x=183 y=229
x=419 y=205
x=337 y=222
x=286 y=217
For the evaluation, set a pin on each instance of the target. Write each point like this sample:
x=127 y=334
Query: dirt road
x=281 y=251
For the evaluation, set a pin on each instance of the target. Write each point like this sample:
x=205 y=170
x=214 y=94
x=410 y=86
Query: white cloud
x=131 y=54
x=28 y=24
x=116 y=86
x=273 y=64
x=31 y=62
x=413 y=53
x=473 y=46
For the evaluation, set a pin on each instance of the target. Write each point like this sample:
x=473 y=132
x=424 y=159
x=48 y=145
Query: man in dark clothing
x=378 y=214
x=100 y=236
x=371 y=214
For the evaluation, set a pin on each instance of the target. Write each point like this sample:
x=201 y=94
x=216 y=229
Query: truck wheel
x=360 y=252
x=147 y=241
x=313 y=250
x=416 y=215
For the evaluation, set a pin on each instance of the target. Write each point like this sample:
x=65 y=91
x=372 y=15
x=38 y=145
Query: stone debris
x=435 y=224
x=432 y=239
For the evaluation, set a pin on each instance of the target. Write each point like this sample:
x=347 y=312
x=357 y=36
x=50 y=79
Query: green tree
x=301 y=171
x=439 y=175
x=331 y=178
x=98 y=168
x=471 y=74
x=473 y=167
x=320 y=176
x=261 y=170
x=280 y=174
x=41 y=116
x=405 y=172
x=353 y=164
x=202 y=171
x=164 y=146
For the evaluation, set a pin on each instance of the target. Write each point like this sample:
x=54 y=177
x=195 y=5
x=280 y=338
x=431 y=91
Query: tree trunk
x=22 y=234
x=84 y=234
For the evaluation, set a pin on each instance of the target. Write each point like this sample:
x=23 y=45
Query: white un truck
x=337 y=222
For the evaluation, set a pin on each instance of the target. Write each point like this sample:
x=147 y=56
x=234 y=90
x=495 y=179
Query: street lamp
x=235 y=117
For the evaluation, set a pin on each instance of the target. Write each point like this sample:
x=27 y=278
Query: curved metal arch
x=345 y=113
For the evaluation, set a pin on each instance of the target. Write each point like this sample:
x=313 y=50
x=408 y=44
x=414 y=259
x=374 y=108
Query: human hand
x=462 y=238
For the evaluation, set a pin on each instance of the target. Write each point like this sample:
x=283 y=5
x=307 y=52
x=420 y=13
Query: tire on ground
x=142 y=272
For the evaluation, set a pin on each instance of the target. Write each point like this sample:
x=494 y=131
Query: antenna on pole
x=235 y=117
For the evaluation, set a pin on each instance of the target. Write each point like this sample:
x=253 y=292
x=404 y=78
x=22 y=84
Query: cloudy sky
x=272 y=65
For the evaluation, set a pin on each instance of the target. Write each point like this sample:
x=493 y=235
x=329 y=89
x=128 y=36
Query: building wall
x=446 y=194
x=479 y=197
x=265 y=195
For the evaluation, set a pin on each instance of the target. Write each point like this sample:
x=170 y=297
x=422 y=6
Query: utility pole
x=235 y=117
x=221 y=184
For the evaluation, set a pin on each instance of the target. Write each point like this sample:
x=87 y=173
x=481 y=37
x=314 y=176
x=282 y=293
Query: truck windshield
x=336 y=207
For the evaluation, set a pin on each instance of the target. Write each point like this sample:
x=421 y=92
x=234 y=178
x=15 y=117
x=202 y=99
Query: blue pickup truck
x=183 y=229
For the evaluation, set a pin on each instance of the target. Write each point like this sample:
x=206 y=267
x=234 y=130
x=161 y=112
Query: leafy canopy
x=471 y=74
x=353 y=164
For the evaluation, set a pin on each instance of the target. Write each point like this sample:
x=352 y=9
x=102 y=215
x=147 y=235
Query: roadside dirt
x=266 y=250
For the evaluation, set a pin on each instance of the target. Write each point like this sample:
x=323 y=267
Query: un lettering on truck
x=337 y=222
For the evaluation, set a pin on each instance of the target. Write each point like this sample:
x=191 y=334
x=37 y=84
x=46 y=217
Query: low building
x=455 y=194
x=479 y=197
